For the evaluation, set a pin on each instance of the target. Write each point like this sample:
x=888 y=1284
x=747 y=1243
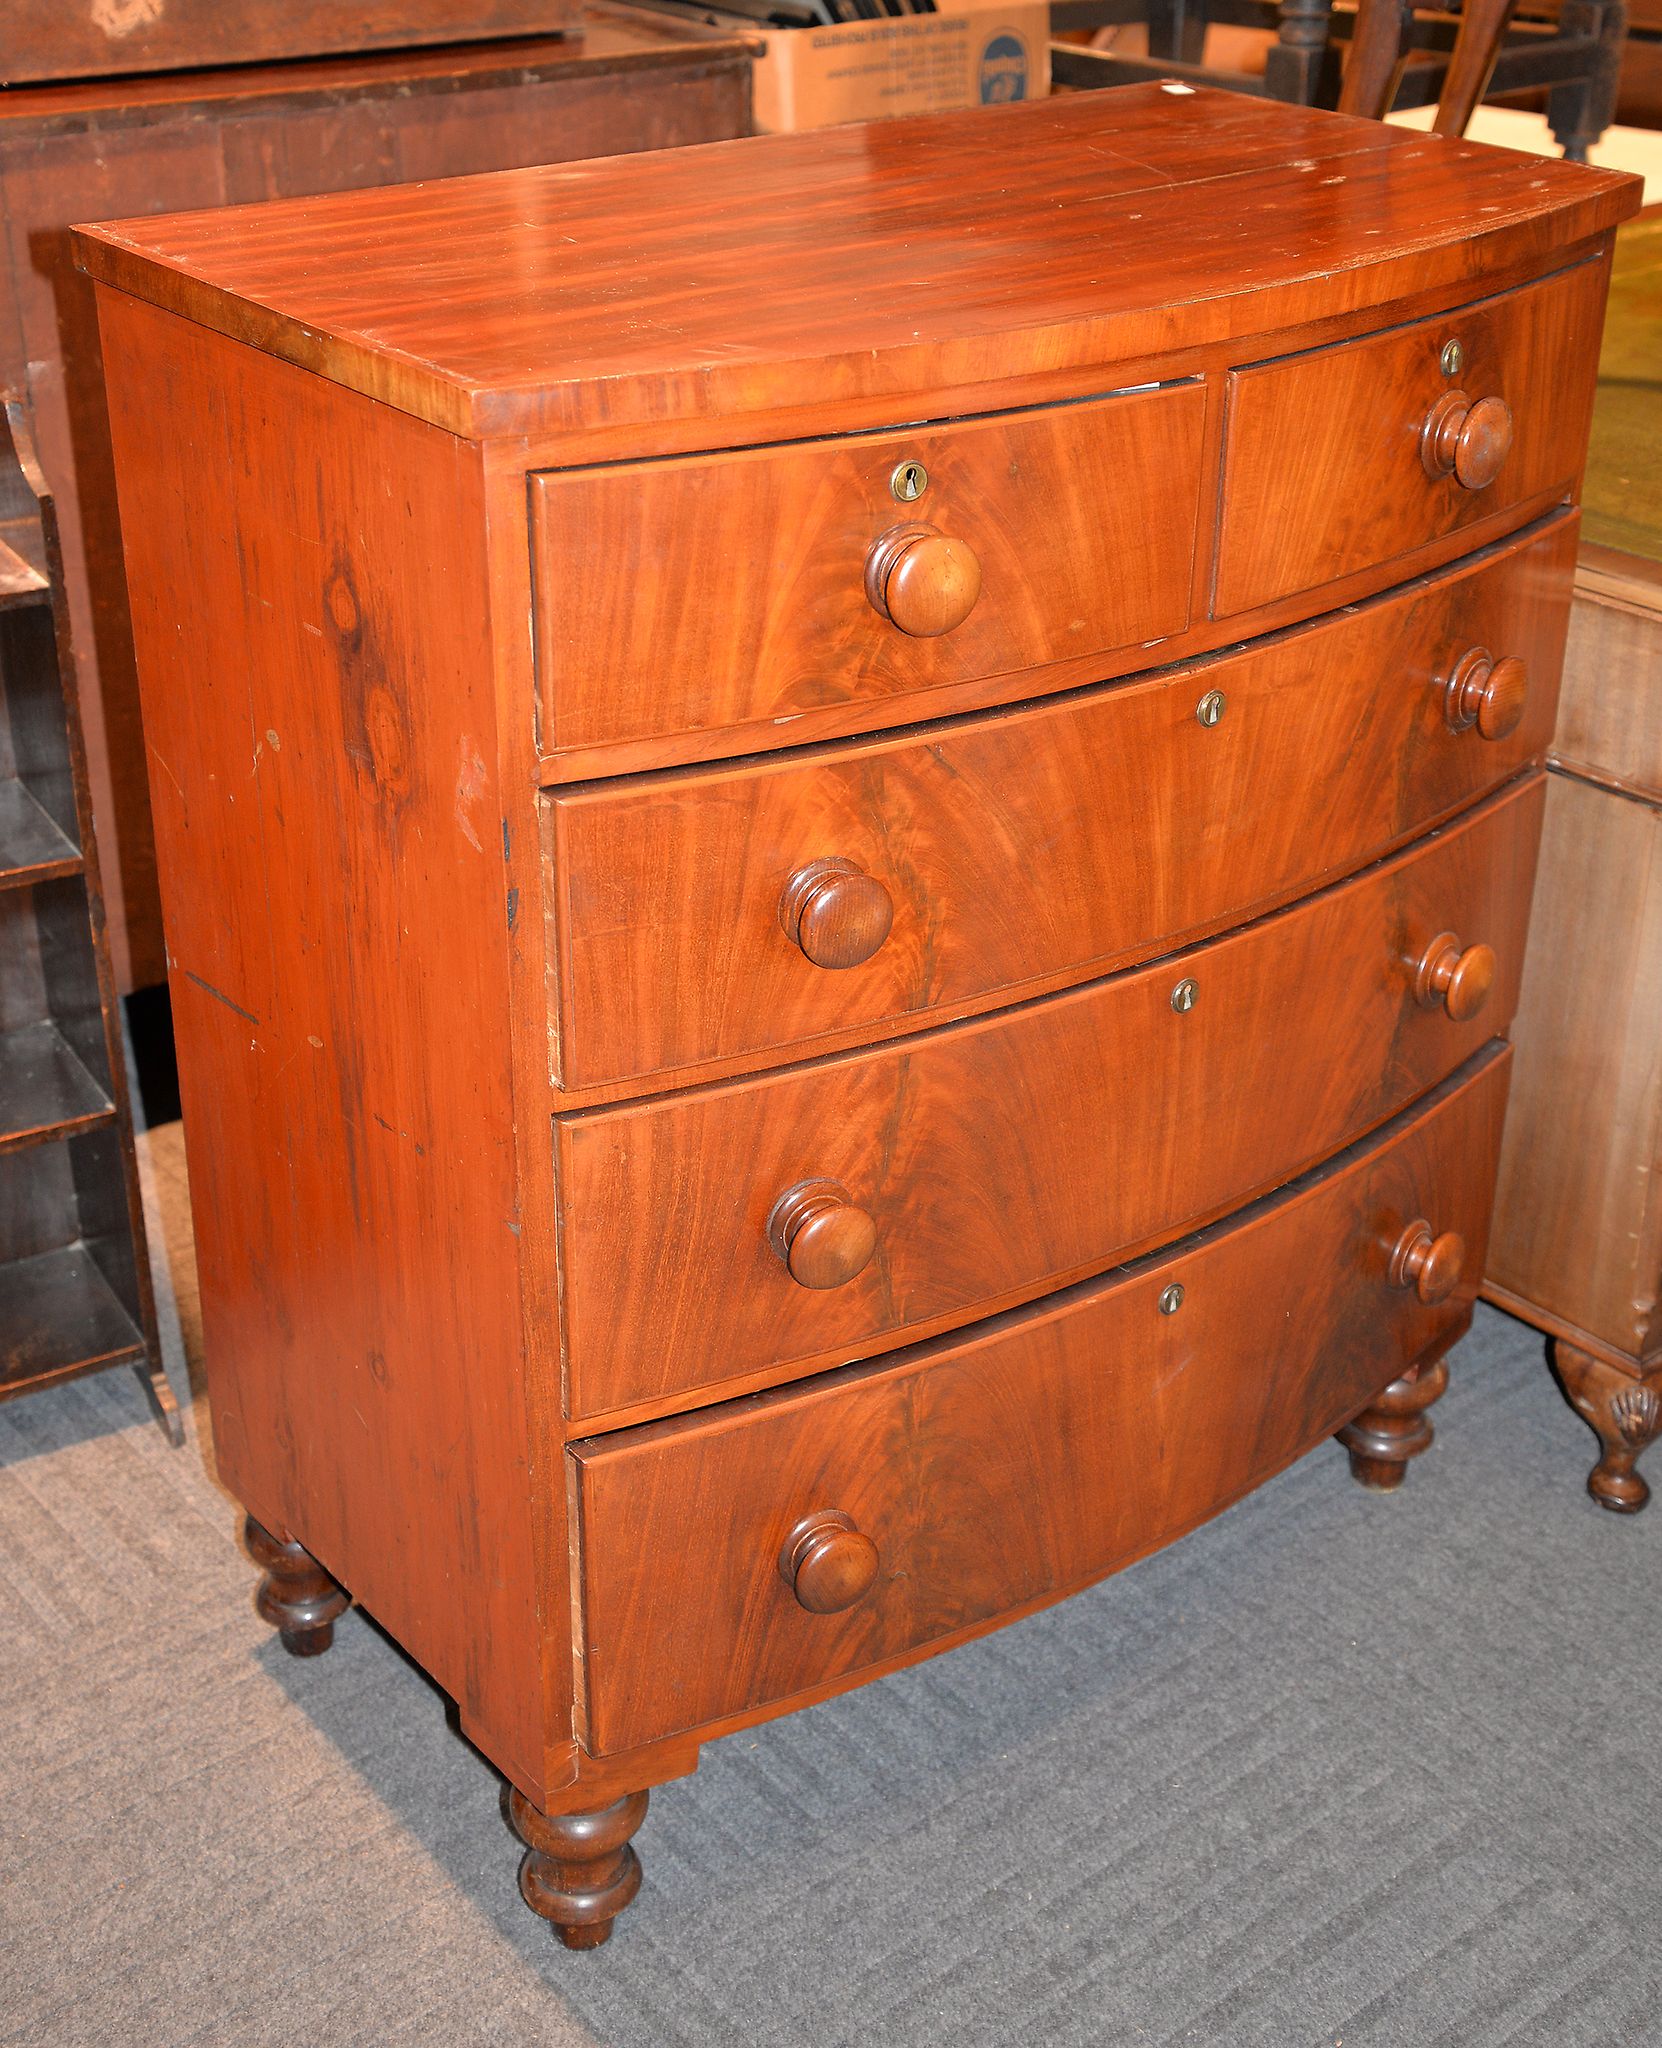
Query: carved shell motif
x=1637 y=1414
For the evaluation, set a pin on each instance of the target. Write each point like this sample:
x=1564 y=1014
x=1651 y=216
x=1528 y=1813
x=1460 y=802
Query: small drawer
x=1348 y=459
x=735 y=592
x=721 y=914
x=767 y=1227
x=962 y=1481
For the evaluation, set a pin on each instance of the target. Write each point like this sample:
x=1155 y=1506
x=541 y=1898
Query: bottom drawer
x=1003 y=1466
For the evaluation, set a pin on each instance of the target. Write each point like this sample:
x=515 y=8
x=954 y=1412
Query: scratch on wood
x=168 y=772
x=208 y=988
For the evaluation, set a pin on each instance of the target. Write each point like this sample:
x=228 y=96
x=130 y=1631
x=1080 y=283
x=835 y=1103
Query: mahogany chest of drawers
x=846 y=827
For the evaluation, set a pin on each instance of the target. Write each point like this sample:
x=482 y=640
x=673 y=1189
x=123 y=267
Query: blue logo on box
x=1003 y=70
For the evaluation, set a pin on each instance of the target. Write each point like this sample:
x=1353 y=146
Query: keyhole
x=909 y=482
x=1183 y=996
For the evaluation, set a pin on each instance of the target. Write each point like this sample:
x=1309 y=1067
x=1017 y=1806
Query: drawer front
x=1006 y=1466
x=978 y=1165
x=711 y=916
x=1326 y=455
x=731 y=591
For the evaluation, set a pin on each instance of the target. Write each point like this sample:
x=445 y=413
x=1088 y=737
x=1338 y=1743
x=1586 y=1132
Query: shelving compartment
x=69 y=1285
x=75 y=1293
x=54 y=1056
x=39 y=829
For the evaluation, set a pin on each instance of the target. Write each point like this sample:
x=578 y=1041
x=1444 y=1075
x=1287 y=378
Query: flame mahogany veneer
x=845 y=878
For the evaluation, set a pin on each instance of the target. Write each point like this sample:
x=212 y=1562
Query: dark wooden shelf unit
x=75 y=1293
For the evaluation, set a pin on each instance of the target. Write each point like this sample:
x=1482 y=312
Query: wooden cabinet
x=1578 y=1226
x=845 y=885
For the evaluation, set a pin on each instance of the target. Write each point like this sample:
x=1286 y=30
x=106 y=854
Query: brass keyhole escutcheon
x=909 y=482
x=1171 y=1298
x=1452 y=359
x=1210 y=708
x=1183 y=996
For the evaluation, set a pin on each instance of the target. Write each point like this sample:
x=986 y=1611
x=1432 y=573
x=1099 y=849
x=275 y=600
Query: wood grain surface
x=1014 y=850
x=1026 y=1149
x=636 y=290
x=1610 y=715
x=1322 y=466
x=321 y=722
x=1009 y=1465
x=752 y=565
x=1578 y=1217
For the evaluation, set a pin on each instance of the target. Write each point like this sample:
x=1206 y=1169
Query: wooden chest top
x=1006 y=247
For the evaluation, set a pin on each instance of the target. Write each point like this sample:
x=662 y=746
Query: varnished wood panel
x=1610 y=716
x=1021 y=1151
x=632 y=292
x=1009 y=1465
x=1578 y=1216
x=315 y=650
x=752 y=567
x=1322 y=462
x=1016 y=850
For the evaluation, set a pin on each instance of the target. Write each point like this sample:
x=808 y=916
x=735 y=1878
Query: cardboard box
x=972 y=53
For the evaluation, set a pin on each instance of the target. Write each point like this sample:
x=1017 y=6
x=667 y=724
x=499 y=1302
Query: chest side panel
x=313 y=641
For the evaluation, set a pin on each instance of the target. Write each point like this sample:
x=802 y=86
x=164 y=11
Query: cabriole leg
x=1393 y=1428
x=296 y=1595
x=579 y=1870
x=1626 y=1412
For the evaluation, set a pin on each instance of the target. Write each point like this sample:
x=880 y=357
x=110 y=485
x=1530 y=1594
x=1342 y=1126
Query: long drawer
x=736 y=591
x=721 y=914
x=763 y=1228
x=1008 y=1465
x=1346 y=458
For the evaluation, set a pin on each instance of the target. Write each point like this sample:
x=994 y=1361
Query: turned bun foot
x=579 y=1870
x=1393 y=1428
x=296 y=1595
x=1624 y=1410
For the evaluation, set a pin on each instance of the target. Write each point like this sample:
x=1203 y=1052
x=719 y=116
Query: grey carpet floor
x=1335 y=1770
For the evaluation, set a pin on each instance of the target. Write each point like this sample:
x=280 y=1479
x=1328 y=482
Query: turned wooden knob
x=820 y=1234
x=922 y=581
x=1459 y=978
x=827 y=1563
x=1427 y=1263
x=836 y=913
x=1486 y=693
x=1467 y=441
